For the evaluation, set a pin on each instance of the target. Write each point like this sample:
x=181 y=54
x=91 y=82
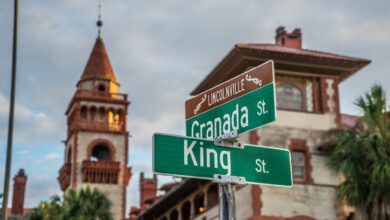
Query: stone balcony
x=100 y=95
x=97 y=126
x=106 y=172
x=65 y=174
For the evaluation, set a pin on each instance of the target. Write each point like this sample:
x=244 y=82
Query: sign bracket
x=225 y=179
x=229 y=139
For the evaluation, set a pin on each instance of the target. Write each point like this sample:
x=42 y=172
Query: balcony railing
x=100 y=95
x=100 y=172
x=64 y=177
x=97 y=126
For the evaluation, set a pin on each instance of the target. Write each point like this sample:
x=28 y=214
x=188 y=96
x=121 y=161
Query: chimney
x=20 y=181
x=293 y=39
x=148 y=188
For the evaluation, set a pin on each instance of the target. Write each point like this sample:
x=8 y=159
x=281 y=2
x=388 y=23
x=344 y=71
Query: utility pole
x=11 y=115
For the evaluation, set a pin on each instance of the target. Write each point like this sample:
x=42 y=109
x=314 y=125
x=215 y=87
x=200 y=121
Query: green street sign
x=243 y=103
x=245 y=113
x=201 y=158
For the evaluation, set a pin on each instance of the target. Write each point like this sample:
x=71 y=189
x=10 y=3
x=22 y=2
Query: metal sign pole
x=227 y=197
x=11 y=115
x=227 y=201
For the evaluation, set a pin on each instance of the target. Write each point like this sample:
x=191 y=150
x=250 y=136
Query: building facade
x=96 y=146
x=308 y=107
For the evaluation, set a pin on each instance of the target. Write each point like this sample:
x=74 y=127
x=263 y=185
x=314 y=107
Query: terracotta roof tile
x=98 y=65
x=349 y=121
x=300 y=52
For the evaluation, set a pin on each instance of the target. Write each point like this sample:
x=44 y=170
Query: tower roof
x=98 y=65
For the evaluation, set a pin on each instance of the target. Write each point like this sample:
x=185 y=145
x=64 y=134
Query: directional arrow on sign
x=201 y=158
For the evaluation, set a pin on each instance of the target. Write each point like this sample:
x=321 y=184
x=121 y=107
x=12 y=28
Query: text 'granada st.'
x=237 y=119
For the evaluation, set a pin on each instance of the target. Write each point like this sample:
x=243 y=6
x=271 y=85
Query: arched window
x=174 y=215
x=212 y=196
x=117 y=118
x=83 y=113
x=289 y=97
x=102 y=114
x=111 y=116
x=93 y=113
x=186 y=211
x=101 y=152
x=101 y=89
x=199 y=203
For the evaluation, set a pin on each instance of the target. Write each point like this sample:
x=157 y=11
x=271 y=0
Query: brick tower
x=148 y=189
x=20 y=181
x=96 y=145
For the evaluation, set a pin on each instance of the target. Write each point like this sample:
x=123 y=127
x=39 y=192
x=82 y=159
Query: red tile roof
x=98 y=65
x=349 y=121
x=300 y=52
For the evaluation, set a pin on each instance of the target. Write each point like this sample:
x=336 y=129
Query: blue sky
x=160 y=50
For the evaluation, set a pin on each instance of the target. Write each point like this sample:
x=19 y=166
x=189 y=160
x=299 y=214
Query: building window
x=289 y=97
x=101 y=89
x=299 y=165
x=101 y=152
x=102 y=114
x=83 y=113
x=93 y=113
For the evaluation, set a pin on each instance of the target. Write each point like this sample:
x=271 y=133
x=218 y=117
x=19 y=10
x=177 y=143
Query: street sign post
x=214 y=119
x=201 y=158
x=243 y=103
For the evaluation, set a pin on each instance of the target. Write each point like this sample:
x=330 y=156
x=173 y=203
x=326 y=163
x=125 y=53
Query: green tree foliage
x=51 y=210
x=85 y=204
x=362 y=156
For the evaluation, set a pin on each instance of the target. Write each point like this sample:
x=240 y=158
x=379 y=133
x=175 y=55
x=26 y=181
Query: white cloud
x=28 y=124
x=23 y=152
x=53 y=156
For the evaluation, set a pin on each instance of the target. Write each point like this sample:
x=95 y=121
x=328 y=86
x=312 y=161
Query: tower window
x=93 y=114
x=102 y=114
x=289 y=97
x=116 y=118
x=83 y=113
x=101 y=152
x=102 y=89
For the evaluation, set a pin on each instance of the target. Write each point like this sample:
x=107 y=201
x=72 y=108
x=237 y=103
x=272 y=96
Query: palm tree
x=51 y=210
x=362 y=156
x=86 y=204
